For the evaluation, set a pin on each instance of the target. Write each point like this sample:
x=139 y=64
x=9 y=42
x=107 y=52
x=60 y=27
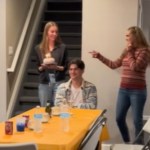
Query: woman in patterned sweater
x=134 y=61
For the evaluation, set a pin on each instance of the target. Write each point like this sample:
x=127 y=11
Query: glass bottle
x=48 y=109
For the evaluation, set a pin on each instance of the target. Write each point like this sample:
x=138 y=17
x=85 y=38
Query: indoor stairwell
x=68 y=15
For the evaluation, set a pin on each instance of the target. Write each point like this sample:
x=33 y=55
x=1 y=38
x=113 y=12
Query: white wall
x=104 y=26
x=3 y=60
x=16 y=13
x=12 y=14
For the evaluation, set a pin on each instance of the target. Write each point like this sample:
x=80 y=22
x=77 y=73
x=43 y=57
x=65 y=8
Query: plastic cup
x=8 y=127
x=20 y=124
x=45 y=117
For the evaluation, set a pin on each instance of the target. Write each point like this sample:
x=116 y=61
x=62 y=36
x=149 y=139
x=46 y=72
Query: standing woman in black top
x=51 y=75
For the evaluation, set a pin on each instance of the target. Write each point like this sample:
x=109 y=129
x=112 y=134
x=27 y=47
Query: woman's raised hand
x=95 y=54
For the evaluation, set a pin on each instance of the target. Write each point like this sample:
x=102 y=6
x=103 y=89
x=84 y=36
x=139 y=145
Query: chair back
x=102 y=115
x=147 y=145
x=92 y=137
x=18 y=146
x=146 y=127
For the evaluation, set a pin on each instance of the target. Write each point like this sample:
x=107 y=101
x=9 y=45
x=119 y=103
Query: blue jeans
x=47 y=93
x=136 y=99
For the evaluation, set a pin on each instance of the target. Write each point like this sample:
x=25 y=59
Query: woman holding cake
x=52 y=63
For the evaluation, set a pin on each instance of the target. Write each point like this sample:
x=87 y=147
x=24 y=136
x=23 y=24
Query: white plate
x=45 y=121
x=55 y=114
x=31 y=128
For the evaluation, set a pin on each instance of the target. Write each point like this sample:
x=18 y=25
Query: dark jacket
x=61 y=57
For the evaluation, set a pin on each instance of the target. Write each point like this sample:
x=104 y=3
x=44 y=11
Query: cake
x=48 y=59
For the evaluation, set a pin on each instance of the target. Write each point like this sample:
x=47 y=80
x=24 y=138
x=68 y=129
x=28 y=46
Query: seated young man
x=77 y=91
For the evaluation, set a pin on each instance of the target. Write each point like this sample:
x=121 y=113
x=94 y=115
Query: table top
x=52 y=136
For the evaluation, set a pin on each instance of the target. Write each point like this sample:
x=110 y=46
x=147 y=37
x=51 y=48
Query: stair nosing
x=26 y=99
x=63 y=11
x=65 y=1
x=67 y=22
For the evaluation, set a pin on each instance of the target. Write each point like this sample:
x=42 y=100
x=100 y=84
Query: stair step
x=68 y=22
x=63 y=15
x=71 y=34
x=33 y=71
x=31 y=85
x=29 y=99
x=73 y=46
x=64 y=11
x=64 y=1
x=64 y=6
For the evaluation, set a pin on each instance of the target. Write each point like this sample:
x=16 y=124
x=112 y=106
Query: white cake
x=48 y=59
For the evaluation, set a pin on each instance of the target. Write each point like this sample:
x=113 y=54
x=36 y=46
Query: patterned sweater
x=134 y=64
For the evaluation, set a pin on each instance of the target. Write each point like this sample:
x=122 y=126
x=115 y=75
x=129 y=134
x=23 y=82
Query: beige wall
x=104 y=26
x=3 y=60
x=13 y=14
x=16 y=13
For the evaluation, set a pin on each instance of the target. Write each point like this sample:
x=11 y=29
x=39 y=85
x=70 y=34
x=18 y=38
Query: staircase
x=68 y=15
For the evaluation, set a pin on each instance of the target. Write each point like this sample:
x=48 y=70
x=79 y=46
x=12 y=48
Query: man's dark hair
x=80 y=64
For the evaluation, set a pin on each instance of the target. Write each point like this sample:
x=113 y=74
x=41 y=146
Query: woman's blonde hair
x=44 y=45
x=140 y=39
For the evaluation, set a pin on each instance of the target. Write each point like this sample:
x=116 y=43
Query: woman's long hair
x=44 y=45
x=140 y=39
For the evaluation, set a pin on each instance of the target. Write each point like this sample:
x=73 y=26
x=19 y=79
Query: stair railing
x=22 y=37
x=16 y=88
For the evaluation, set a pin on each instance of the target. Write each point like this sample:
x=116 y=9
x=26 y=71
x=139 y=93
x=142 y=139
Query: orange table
x=52 y=137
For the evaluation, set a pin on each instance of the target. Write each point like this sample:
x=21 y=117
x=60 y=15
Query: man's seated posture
x=77 y=92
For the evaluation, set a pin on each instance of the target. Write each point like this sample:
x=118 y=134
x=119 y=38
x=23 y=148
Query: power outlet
x=10 y=51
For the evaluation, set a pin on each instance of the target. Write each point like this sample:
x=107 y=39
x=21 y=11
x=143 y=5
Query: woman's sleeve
x=139 y=62
x=112 y=64
x=38 y=58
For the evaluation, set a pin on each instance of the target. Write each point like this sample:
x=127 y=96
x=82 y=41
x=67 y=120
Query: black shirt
x=61 y=57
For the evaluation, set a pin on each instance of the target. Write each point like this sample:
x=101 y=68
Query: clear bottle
x=65 y=117
x=38 y=119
